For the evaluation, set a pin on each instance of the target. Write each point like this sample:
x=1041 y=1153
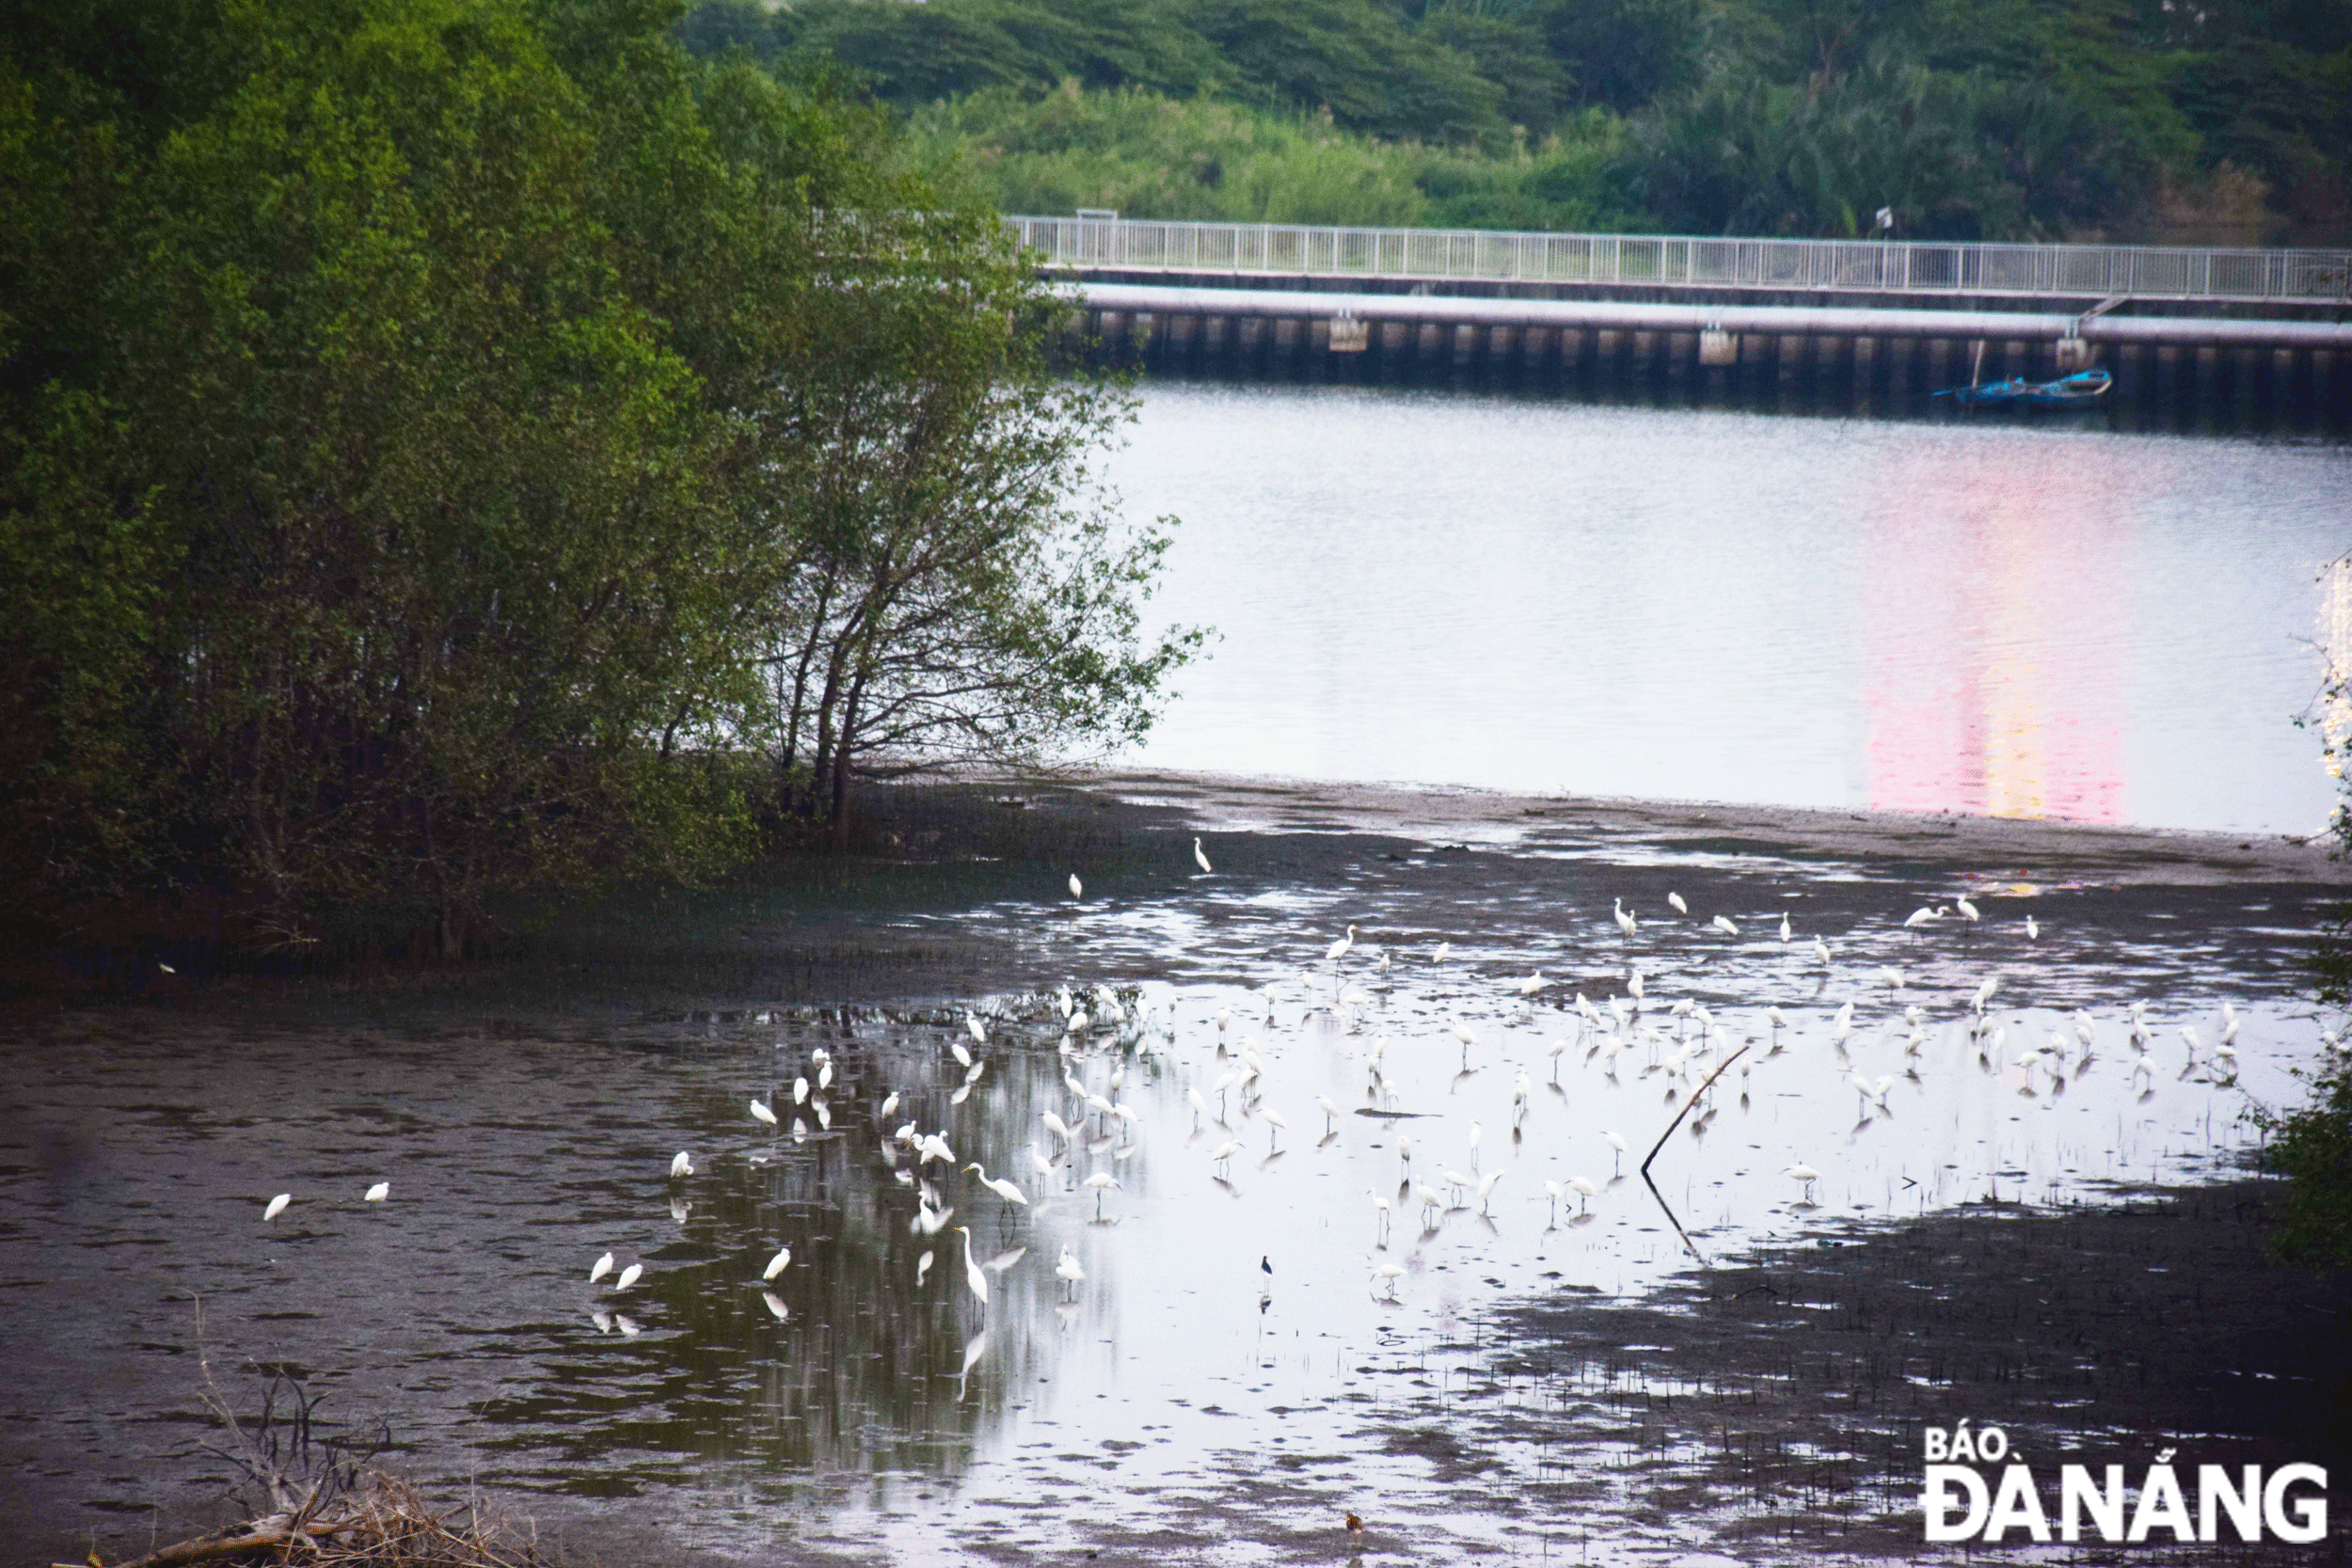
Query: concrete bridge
x=1867 y=319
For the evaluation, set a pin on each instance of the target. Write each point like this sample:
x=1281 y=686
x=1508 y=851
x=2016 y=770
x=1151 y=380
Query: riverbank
x=881 y=925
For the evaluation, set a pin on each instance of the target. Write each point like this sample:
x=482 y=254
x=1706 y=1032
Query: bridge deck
x=1857 y=266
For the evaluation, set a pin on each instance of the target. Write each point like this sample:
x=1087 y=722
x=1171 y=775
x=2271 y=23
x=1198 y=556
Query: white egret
x=1821 y=952
x=1455 y=1179
x=1532 y=984
x=973 y=1276
x=1002 y=1188
x=1200 y=857
x=1102 y=1181
x=2033 y=929
x=1805 y=1174
x=1967 y=910
x=800 y=1091
x=629 y=1277
x=1486 y=1188
x=1723 y=923
x=1338 y=950
x=972 y=1022
x=922 y=1267
x=1330 y=1113
x=1785 y=933
x=1918 y=917
x=1387 y=1274
x=1199 y=1105
x=603 y=1266
x=1275 y=1125
x=1474 y=1136
x=1060 y=1127
x=1405 y=1150
x=762 y=1112
x=1555 y=1192
x=683 y=1164
x=1587 y=1189
x=379 y=1193
x=1626 y=922
x=1468 y=1038
x=824 y=1075
x=776 y=1264
x=1441 y=951
x=888 y=1106
x=1069 y=1270
x=1616 y=1141
x=1037 y=1162
x=1220 y=1154
x=1078 y=890
x=277 y=1206
x=1676 y=899
x=962 y=1057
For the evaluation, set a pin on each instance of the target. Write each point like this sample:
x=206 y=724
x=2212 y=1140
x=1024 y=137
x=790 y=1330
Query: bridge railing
x=1297 y=251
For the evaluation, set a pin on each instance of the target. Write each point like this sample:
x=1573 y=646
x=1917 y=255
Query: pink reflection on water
x=1994 y=636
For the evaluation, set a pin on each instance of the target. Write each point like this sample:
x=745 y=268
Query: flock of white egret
x=1226 y=1066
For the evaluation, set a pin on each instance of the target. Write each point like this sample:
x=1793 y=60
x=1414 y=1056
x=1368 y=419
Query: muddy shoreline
x=821 y=929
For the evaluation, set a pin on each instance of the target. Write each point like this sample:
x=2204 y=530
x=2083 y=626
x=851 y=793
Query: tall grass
x=1148 y=155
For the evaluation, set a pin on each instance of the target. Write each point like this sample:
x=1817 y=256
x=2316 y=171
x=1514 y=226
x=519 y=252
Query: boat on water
x=2069 y=390
x=2066 y=391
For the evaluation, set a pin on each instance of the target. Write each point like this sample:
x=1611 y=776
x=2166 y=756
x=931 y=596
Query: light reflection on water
x=1672 y=603
x=461 y=1309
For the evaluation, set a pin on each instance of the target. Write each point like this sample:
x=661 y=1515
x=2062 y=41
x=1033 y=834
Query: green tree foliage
x=1621 y=53
x=1951 y=157
x=2311 y=1147
x=427 y=419
x=2044 y=119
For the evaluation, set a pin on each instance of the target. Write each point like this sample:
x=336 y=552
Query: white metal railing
x=1297 y=251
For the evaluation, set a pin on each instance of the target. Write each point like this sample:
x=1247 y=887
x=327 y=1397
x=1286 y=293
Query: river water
x=2020 y=618
x=1692 y=605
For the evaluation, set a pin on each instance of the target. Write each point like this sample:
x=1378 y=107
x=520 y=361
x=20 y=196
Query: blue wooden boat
x=2066 y=391
x=1989 y=392
x=2070 y=391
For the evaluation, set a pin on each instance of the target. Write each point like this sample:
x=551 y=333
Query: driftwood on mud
x=325 y=1508
x=378 y=1521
